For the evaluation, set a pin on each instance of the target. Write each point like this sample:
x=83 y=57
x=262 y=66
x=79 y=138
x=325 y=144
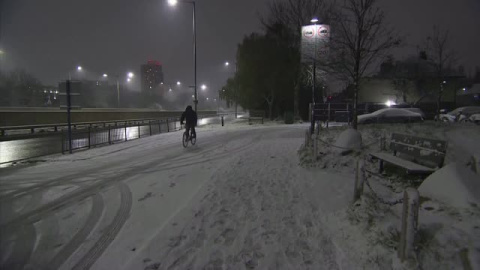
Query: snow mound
x=453 y=184
x=349 y=139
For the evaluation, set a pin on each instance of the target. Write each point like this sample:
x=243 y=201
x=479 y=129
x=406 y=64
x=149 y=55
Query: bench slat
x=438 y=145
x=410 y=166
x=419 y=153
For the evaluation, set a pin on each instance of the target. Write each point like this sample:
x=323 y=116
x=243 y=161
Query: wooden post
x=307 y=138
x=406 y=246
x=359 y=180
x=315 y=148
x=383 y=143
x=475 y=163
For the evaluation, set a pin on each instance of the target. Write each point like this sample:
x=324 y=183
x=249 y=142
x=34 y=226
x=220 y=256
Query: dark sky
x=51 y=37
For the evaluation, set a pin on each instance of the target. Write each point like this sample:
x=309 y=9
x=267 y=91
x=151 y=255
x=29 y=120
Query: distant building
x=151 y=77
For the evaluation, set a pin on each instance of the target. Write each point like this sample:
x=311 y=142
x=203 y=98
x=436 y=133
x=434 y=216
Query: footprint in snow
x=172 y=185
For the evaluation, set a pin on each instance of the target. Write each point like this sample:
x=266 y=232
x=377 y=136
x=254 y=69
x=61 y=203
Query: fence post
x=315 y=148
x=150 y=126
x=475 y=163
x=359 y=180
x=222 y=121
x=159 y=126
x=89 y=135
x=109 y=135
x=383 y=143
x=138 y=123
x=126 y=131
x=63 y=143
x=409 y=224
x=168 y=126
x=328 y=119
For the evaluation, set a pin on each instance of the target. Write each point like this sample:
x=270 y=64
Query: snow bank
x=453 y=184
x=348 y=140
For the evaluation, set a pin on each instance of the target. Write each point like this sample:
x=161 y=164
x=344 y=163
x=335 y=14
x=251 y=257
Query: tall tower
x=152 y=77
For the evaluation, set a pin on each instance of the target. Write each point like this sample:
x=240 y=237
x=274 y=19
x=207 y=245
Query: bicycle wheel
x=193 y=140
x=185 y=140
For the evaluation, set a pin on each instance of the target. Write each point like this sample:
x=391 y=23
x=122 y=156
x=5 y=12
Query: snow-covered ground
x=369 y=230
x=236 y=200
x=244 y=197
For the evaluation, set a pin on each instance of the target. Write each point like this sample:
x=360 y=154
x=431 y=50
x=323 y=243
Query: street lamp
x=129 y=79
x=130 y=75
x=105 y=75
x=173 y=3
x=314 y=20
x=179 y=83
x=227 y=64
x=203 y=87
x=79 y=68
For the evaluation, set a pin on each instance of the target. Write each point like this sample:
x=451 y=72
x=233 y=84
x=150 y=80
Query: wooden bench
x=255 y=115
x=416 y=155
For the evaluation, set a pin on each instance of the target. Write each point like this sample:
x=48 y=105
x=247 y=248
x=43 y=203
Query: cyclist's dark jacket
x=190 y=116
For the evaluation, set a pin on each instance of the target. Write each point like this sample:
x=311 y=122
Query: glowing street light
x=203 y=87
x=227 y=64
x=129 y=80
x=105 y=75
x=314 y=20
x=161 y=83
x=79 y=68
x=172 y=2
x=170 y=90
x=130 y=75
x=179 y=83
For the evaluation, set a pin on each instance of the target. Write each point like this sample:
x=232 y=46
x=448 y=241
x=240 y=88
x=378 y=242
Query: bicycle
x=187 y=138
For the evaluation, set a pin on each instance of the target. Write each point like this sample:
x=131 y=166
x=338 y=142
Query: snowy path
x=237 y=200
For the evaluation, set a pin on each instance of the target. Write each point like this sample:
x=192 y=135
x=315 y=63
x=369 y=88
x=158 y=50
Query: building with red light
x=151 y=77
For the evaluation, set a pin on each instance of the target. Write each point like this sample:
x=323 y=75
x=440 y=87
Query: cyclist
x=191 y=121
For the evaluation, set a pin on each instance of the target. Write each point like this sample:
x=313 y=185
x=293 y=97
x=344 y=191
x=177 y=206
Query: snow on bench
x=419 y=150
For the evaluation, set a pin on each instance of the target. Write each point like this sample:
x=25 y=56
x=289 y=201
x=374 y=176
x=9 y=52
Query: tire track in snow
x=78 y=239
x=111 y=231
x=22 y=248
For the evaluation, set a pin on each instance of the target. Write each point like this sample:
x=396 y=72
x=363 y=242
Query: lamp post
x=173 y=3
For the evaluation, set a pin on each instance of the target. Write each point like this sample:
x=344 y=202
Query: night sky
x=49 y=38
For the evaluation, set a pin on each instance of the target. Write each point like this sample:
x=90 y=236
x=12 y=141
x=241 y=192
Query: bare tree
x=360 y=38
x=441 y=57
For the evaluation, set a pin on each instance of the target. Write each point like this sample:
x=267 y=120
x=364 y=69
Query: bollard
x=359 y=180
x=222 y=122
x=406 y=246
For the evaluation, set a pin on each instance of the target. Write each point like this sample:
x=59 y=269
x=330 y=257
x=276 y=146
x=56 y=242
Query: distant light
x=172 y=2
x=223 y=90
x=193 y=96
x=207 y=98
x=56 y=92
x=444 y=81
x=178 y=83
x=51 y=91
x=214 y=99
x=45 y=91
x=203 y=87
x=55 y=97
x=150 y=87
x=170 y=90
x=128 y=79
x=79 y=68
x=1 y=52
x=130 y=75
x=390 y=103
x=314 y=20
x=105 y=75
x=161 y=83
x=227 y=64
x=464 y=89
